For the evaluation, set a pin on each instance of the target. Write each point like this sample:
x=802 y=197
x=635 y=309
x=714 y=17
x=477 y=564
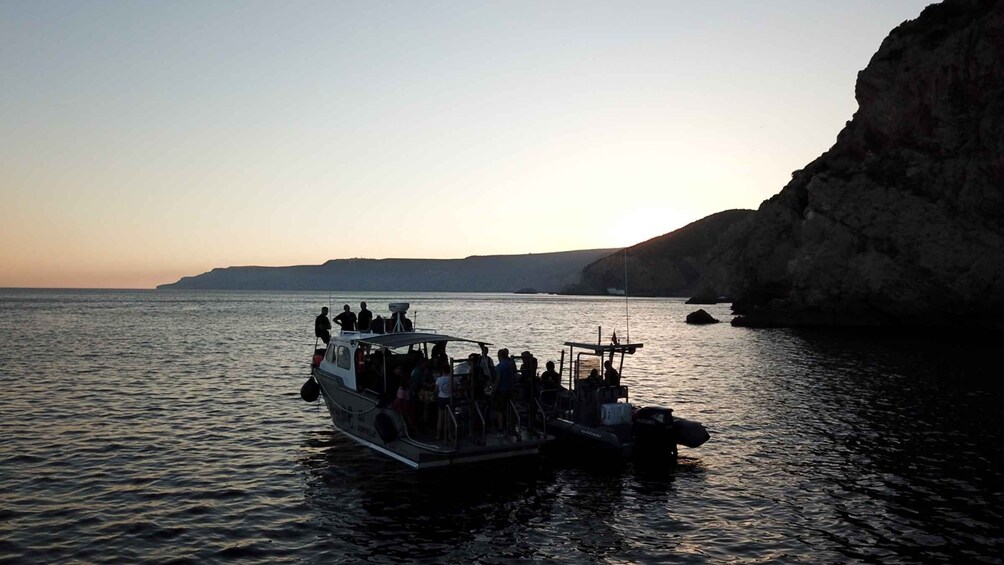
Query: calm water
x=167 y=426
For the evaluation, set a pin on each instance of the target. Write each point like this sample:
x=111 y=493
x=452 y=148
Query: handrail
x=484 y=425
x=511 y=410
x=456 y=435
x=543 y=418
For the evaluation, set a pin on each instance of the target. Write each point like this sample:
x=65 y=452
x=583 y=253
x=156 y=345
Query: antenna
x=627 y=315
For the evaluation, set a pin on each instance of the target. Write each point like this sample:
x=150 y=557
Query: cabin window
x=344 y=357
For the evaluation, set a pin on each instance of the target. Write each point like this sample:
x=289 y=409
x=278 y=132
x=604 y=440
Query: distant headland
x=543 y=272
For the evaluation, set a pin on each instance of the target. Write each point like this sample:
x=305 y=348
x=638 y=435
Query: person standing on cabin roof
x=322 y=326
x=364 y=318
x=346 y=320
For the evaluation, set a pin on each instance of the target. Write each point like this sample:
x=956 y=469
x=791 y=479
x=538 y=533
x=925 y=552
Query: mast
x=627 y=316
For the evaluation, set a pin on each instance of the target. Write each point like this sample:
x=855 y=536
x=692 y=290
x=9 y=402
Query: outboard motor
x=653 y=432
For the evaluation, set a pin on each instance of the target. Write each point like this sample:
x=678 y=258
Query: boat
x=358 y=375
x=598 y=417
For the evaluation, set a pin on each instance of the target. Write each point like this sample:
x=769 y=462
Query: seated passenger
x=610 y=375
x=550 y=379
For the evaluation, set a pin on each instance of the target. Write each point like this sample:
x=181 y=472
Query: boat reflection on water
x=371 y=506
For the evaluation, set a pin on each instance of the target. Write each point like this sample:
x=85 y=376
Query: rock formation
x=701 y=317
x=901 y=222
x=668 y=265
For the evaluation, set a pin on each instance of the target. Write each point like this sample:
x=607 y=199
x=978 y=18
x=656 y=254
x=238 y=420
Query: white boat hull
x=359 y=416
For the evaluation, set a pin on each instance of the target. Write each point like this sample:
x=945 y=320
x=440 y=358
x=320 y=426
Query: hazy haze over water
x=147 y=426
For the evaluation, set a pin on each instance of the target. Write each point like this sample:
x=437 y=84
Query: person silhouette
x=364 y=319
x=346 y=320
x=610 y=375
x=322 y=326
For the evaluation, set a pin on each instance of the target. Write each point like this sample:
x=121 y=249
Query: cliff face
x=901 y=222
x=672 y=264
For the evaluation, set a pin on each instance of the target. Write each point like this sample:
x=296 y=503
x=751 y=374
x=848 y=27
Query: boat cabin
x=366 y=361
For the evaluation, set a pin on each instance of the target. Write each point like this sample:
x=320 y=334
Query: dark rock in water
x=700 y=317
x=526 y=291
x=901 y=222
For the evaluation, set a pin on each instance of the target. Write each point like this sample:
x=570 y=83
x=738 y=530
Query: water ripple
x=167 y=427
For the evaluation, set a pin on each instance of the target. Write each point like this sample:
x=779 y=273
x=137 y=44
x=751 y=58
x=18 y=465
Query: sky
x=145 y=141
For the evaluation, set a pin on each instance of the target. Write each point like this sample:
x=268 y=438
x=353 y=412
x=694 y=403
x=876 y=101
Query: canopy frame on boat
x=601 y=348
x=404 y=339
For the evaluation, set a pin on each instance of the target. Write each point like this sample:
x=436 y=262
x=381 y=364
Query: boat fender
x=315 y=361
x=690 y=433
x=385 y=428
x=310 y=390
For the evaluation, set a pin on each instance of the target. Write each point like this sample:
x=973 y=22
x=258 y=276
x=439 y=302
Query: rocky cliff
x=668 y=265
x=901 y=222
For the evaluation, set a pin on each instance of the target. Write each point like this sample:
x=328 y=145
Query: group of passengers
x=349 y=321
x=421 y=382
x=610 y=378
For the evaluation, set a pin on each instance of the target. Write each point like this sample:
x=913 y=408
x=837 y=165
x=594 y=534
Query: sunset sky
x=146 y=141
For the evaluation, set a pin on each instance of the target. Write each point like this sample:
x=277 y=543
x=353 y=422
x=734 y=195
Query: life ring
x=310 y=390
x=385 y=427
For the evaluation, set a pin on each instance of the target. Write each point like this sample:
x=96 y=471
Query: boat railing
x=484 y=426
x=541 y=417
x=512 y=418
x=452 y=426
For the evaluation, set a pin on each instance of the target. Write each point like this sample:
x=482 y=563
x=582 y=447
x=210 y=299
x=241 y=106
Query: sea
x=167 y=427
